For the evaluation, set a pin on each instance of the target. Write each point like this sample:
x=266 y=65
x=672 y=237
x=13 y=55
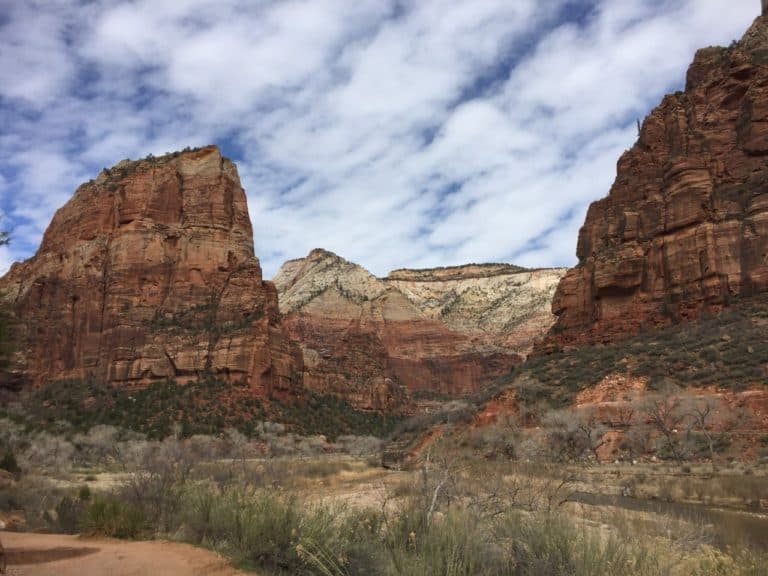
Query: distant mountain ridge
x=363 y=333
x=504 y=305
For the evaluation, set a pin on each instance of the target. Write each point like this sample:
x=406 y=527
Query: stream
x=729 y=527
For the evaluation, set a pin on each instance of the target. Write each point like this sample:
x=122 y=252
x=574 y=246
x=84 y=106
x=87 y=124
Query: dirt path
x=61 y=555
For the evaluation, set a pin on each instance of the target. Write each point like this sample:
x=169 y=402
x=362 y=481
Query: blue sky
x=396 y=133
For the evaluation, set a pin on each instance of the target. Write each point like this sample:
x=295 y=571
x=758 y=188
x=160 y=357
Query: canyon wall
x=685 y=225
x=148 y=273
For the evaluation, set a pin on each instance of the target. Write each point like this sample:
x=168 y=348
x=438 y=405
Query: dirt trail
x=62 y=555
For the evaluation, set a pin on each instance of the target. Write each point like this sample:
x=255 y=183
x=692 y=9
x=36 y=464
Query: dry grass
x=452 y=513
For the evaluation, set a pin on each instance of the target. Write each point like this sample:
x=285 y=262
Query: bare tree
x=638 y=437
x=592 y=431
x=238 y=447
x=572 y=433
x=50 y=452
x=702 y=413
x=155 y=485
x=666 y=414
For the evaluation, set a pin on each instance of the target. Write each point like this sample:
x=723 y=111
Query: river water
x=729 y=527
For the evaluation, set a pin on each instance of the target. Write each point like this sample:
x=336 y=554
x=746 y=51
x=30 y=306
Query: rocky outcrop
x=363 y=339
x=685 y=226
x=148 y=273
x=499 y=305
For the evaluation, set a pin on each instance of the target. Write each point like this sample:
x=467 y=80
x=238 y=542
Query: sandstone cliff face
x=364 y=340
x=685 y=226
x=497 y=304
x=148 y=273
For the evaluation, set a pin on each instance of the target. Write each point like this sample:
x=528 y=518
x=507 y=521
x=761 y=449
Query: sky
x=396 y=133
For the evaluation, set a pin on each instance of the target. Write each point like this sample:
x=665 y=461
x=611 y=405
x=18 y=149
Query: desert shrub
x=549 y=544
x=711 y=562
x=9 y=464
x=456 y=544
x=205 y=406
x=492 y=441
x=114 y=517
x=267 y=528
x=69 y=515
x=155 y=485
x=359 y=445
x=84 y=494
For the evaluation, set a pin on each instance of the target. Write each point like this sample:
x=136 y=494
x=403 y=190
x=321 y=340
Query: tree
x=572 y=433
x=712 y=418
x=700 y=414
x=665 y=413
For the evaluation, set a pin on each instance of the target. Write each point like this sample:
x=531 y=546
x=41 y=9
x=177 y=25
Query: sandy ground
x=62 y=555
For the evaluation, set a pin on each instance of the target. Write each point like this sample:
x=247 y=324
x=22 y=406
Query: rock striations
x=499 y=304
x=685 y=226
x=149 y=273
x=364 y=339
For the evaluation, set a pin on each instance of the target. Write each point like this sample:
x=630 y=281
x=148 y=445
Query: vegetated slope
x=499 y=304
x=204 y=406
x=685 y=226
x=363 y=340
x=727 y=350
x=603 y=396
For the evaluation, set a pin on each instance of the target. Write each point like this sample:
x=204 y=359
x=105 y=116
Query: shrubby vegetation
x=206 y=406
x=721 y=350
x=453 y=514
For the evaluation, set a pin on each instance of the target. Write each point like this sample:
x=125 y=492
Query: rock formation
x=148 y=273
x=365 y=340
x=498 y=304
x=685 y=226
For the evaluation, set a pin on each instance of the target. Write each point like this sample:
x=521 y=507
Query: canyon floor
x=67 y=555
x=689 y=519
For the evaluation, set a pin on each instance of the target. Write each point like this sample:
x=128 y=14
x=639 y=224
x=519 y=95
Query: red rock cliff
x=148 y=273
x=685 y=226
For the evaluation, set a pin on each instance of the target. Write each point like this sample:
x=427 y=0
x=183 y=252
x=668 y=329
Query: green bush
x=9 y=464
x=457 y=544
x=264 y=528
x=109 y=516
x=69 y=515
x=84 y=494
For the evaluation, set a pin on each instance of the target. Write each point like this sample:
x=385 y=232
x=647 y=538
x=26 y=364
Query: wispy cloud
x=394 y=133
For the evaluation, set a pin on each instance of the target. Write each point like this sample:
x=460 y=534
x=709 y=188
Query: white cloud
x=394 y=133
x=35 y=62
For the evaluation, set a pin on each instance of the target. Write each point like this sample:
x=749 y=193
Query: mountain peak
x=301 y=281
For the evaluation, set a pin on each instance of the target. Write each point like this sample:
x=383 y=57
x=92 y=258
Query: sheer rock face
x=498 y=304
x=365 y=340
x=685 y=226
x=148 y=273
